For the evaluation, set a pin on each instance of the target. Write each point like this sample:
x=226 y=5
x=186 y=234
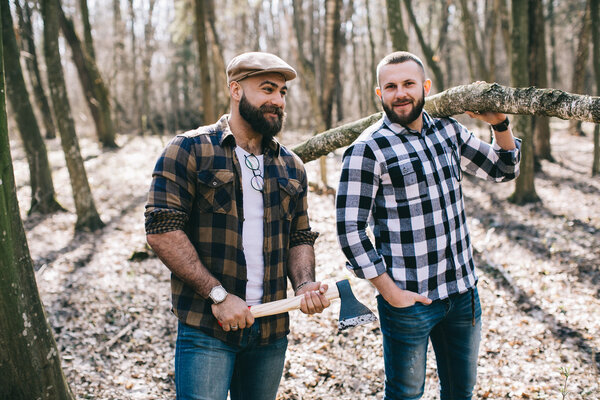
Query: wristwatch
x=218 y=294
x=502 y=126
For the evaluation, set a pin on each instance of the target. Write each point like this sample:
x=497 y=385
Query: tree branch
x=474 y=97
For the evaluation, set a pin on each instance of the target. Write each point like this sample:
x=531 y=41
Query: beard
x=408 y=118
x=255 y=116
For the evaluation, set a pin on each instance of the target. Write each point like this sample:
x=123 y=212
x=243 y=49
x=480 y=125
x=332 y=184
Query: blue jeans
x=449 y=325
x=207 y=368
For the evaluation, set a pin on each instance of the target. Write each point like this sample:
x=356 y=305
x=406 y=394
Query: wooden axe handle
x=293 y=303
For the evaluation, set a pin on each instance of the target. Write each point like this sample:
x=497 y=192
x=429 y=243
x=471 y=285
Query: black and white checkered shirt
x=406 y=185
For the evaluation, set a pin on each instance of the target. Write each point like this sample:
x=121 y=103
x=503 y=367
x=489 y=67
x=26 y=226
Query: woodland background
x=134 y=73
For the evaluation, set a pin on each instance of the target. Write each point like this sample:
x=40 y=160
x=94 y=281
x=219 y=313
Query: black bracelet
x=302 y=284
x=502 y=126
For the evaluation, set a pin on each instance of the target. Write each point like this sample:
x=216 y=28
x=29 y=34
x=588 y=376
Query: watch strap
x=502 y=126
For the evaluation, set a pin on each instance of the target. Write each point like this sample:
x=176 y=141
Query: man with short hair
x=403 y=176
x=227 y=214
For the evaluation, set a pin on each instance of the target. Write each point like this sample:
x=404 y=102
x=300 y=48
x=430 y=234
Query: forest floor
x=538 y=267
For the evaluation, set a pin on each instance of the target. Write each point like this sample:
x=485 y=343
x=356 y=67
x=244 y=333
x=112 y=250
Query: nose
x=278 y=99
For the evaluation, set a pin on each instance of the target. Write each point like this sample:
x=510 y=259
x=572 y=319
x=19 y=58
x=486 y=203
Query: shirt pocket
x=289 y=192
x=408 y=182
x=215 y=190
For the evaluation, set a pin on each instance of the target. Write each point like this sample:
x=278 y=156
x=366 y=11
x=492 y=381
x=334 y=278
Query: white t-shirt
x=252 y=230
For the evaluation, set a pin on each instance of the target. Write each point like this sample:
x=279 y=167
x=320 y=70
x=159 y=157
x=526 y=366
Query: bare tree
x=29 y=361
x=94 y=89
x=474 y=52
x=32 y=65
x=581 y=58
x=396 y=25
x=519 y=72
x=539 y=78
x=87 y=29
x=426 y=48
x=595 y=16
x=87 y=215
x=43 y=198
x=208 y=108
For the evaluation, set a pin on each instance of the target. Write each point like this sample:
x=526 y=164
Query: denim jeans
x=207 y=368
x=449 y=325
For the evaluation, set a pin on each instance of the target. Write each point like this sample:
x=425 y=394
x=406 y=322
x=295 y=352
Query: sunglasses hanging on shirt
x=257 y=181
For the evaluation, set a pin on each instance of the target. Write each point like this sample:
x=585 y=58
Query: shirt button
x=215 y=183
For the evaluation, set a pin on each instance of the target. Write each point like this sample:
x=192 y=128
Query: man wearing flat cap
x=227 y=214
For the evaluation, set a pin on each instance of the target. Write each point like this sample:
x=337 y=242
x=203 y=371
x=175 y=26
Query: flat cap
x=254 y=63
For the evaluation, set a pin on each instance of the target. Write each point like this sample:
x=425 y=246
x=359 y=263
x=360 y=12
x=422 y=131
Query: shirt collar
x=227 y=136
x=403 y=130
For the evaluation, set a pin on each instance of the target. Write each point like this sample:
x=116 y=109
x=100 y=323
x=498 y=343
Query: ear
x=378 y=92
x=236 y=91
x=427 y=86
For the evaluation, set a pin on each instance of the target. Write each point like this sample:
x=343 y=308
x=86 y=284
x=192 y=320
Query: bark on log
x=474 y=97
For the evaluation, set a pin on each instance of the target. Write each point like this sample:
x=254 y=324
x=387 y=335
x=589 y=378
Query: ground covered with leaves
x=108 y=298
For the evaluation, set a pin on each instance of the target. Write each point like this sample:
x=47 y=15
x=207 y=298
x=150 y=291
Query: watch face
x=218 y=294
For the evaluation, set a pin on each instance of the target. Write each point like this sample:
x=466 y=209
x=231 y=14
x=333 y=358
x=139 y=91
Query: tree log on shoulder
x=474 y=97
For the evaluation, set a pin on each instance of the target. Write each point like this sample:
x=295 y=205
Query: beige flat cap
x=254 y=63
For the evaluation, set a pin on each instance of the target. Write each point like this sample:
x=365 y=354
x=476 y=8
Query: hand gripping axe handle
x=352 y=312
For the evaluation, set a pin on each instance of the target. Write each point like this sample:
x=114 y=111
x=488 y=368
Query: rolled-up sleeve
x=488 y=161
x=301 y=232
x=173 y=187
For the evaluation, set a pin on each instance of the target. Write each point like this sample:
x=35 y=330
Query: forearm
x=505 y=139
x=179 y=255
x=301 y=264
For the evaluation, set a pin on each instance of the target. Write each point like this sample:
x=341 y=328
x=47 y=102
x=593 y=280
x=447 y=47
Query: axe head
x=352 y=312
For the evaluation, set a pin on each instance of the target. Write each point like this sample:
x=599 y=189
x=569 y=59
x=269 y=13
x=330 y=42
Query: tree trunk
x=87 y=29
x=137 y=110
x=427 y=50
x=332 y=67
x=478 y=70
x=43 y=199
x=118 y=62
x=443 y=49
x=474 y=97
x=94 y=89
x=208 y=109
x=396 y=25
x=581 y=59
x=595 y=15
x=31 y=62
x=555 y=76
x=29 y=361
x=519 y=71
x=372 y=67
x=505 y=27
x=87 y=215
x=219 y=63
x=147 y=120
x=539 y=78
x=493 y=17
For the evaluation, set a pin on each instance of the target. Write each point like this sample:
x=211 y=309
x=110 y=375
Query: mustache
x=271 y=109
x=402 y=101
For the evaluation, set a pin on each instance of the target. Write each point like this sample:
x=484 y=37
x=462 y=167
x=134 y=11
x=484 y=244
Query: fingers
x=233 y=314
x=314 y=301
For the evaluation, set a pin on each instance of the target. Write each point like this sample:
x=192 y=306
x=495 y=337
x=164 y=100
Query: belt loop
x=472 y=306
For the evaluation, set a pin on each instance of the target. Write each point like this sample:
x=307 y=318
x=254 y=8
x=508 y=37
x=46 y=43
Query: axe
x=352 y=312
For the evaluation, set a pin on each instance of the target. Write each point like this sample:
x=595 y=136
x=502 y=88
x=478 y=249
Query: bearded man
x=227 y=214
x=403 y=175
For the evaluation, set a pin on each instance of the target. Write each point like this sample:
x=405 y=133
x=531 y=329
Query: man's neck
x=245 y=136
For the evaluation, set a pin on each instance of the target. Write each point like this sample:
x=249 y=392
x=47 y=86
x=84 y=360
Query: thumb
x=422 y=299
